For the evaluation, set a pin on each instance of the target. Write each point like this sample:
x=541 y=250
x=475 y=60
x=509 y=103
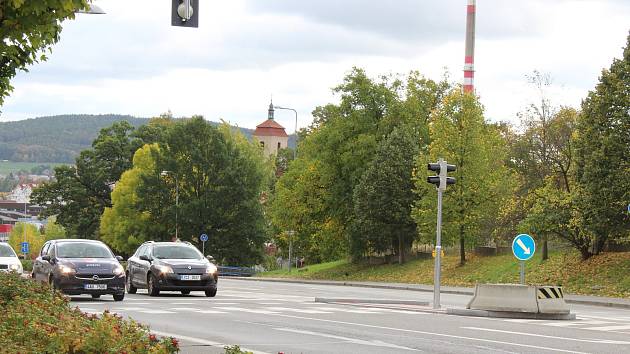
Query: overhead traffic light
x=185 y=13
x=442 y=179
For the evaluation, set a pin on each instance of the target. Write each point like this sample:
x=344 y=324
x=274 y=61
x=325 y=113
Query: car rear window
x=176 y=252
x=6 y=251
x=82 y=250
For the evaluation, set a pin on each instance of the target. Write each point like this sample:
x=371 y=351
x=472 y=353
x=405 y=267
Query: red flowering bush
x=36 y=319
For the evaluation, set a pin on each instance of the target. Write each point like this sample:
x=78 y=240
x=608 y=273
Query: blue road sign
x=24 y=246
x=523 y=247
x=628 y=208
x=203 y=238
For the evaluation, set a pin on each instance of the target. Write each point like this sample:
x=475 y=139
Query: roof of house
x=270 y=128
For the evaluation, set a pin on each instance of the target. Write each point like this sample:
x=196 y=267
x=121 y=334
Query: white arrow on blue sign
x=523 y=247
x=203 y=238
x=24 y=246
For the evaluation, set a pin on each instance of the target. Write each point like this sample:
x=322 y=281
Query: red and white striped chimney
x=469 y=60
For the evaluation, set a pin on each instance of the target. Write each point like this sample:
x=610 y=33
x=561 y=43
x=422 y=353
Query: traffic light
x=441 y=168
x=185 y=13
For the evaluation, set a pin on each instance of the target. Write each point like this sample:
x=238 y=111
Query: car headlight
x=15 y=267
x=65 y=270
x=163 y=269
x=119 y=270
x=211 y=268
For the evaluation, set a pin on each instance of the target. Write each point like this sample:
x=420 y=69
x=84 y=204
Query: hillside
x=603 y=275
x=60 y=138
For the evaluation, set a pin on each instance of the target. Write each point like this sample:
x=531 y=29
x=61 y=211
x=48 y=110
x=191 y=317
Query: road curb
x=568 y=299
x=515 y=315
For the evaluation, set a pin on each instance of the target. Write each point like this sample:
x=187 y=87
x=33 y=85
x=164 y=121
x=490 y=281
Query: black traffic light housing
x=178 y=13
x=441 y=168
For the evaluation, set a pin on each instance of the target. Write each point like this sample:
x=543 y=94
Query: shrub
x=27 y=264
x=36 y=319
x=235 y=349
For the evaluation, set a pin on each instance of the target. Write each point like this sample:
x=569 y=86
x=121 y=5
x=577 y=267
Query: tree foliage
x=603 y=156
x=460 y=135
x=384 y=197
x=213 y=185
x=29 y=28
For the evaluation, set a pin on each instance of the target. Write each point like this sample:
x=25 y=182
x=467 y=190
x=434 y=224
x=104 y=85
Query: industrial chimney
x=469 y=60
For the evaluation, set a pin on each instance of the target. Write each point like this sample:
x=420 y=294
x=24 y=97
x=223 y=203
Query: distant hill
x=60 y=138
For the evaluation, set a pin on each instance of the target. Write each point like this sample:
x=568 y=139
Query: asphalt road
x=269 y=317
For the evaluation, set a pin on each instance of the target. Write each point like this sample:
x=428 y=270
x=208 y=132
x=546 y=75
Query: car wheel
x=96 y=296
x=130 y=288
x=152 y=287
x=185 y=292
x=211 y=293
x=119 y=297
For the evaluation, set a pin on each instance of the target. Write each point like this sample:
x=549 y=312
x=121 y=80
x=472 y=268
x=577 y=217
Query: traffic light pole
x=438 y=253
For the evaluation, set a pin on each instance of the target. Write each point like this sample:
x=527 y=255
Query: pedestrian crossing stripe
x=550 y=292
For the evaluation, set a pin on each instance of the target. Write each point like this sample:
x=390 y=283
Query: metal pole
x=296 y=137
x=438 y=254
x=522 y=272
x=203 y=248
x=176 y=207
x=290 y=245
x=469 y=60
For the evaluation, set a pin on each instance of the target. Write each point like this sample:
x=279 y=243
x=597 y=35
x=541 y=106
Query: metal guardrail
x=236 y=271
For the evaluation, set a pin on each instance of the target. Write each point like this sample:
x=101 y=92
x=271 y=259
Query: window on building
x=279 y=146
x=262 y=143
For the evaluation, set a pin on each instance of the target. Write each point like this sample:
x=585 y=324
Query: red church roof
x=270 y=128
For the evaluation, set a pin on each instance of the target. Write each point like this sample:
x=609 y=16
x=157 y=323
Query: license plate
x=96 y=286
x=190 y=277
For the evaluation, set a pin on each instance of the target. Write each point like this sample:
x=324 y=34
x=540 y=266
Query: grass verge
x=607 y=274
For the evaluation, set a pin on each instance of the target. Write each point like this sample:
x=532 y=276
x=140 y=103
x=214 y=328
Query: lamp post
x=296 y=134
x=291 y=233
x=163 y=174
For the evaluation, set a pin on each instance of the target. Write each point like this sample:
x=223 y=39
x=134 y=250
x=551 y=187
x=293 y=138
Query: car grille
x=91 y=276
x=4 y=266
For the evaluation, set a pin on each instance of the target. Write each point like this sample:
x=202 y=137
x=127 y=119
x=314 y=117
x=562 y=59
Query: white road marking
x=241 y=309
x=156 y=312
x=610 y=328
x=182 y=303
x=372 y=343
x=431 y=333
x=189 y=309
x=202 y=341
x=297 y=310
x=596 y=341
x=129 y=309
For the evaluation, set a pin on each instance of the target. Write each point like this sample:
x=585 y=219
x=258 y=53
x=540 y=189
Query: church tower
x=271 y=135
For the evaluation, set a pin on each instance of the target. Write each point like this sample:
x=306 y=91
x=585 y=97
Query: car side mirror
x=211 y=259
x=119 y=258
x=46 y=258
x=145 y=258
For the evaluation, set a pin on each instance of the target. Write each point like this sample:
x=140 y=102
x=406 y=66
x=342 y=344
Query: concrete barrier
x=551 y=300
x=504 y=297
x=519 y=299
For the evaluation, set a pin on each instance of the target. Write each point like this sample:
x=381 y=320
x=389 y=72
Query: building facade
x=271 y=135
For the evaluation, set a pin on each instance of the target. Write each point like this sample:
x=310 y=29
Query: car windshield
x=176 y=252
x=6 y=251
x=82 y=250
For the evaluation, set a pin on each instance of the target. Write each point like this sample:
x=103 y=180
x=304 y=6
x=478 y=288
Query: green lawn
x=604 y=275
x=7 y=167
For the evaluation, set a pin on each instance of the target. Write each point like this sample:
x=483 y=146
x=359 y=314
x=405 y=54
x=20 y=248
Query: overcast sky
x=131 y=61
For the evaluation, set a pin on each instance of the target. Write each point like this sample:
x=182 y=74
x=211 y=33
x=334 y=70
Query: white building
x=22 y=193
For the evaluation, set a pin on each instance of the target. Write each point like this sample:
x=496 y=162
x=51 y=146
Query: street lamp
x=91 y=10
x=164 y=174
x=296 y=134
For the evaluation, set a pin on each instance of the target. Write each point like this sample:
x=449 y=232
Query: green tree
x=344 y=138
x=220 y=175
x=52 y=230
x=26 y=232
x=460 y=135
x=29 y=28
x=80 y=193
x=124 y=226
x=384 y=197
x=602 y=156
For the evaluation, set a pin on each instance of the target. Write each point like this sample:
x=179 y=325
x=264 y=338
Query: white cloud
x=131 y=61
